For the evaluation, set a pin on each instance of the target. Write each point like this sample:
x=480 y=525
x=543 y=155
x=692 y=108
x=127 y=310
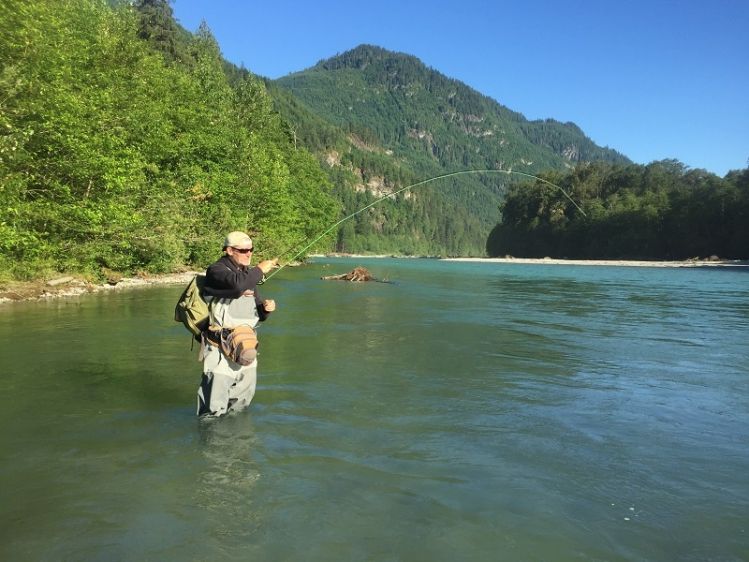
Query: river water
x=464 y=411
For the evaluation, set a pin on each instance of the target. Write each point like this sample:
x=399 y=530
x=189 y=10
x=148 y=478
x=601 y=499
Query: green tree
x=659 y=211
x=112 y=155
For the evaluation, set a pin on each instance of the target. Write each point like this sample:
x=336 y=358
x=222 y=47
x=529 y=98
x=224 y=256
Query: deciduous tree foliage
x=118 y=153
x=659 y=211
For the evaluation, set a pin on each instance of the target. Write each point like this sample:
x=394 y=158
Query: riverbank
x=707 y=262
x=622 y=263
x=70 y=286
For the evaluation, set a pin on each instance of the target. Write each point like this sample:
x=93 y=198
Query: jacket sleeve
x=261 y=312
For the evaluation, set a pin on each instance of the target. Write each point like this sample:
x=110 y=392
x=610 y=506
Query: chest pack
x=240 y=345
x=191 y=309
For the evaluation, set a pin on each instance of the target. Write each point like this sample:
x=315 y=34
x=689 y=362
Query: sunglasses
x=243 y=250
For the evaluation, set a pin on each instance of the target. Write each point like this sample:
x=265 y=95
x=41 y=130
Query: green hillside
x=381 y=120
x=126 y=146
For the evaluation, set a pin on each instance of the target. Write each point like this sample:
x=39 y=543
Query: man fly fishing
x=229 y=345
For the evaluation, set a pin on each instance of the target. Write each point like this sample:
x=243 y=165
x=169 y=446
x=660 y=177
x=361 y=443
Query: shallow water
x=466 y=411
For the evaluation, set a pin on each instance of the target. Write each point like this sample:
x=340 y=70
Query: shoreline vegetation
x=70 y=285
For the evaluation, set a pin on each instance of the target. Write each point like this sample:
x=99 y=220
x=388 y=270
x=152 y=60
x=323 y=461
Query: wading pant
x=225 y=385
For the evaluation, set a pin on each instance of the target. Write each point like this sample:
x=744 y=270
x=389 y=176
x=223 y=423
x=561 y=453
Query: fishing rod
x=413 y=185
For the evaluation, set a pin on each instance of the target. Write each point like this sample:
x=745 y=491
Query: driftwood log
x=356 y=275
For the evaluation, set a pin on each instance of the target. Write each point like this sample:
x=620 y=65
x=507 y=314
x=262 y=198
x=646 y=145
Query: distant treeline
x=126 y=143
x=659 y=211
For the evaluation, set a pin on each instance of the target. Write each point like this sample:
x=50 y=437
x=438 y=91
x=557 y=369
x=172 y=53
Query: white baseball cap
x=238 y=239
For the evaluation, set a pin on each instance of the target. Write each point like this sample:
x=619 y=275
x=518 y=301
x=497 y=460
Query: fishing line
x=417 y=184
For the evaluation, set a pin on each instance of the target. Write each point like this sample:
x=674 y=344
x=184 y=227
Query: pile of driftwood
x=356 y=275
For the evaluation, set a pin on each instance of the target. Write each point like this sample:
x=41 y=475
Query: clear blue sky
x=652 y=79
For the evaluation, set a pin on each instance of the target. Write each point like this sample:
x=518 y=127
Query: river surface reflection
x=465 y=411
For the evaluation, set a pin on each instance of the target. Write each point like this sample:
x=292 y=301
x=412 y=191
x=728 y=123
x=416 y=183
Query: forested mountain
x=388 y=119
x=382 y=120
x=396 y=101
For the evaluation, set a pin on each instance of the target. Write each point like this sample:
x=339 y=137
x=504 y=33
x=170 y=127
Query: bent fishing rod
x=413 y=185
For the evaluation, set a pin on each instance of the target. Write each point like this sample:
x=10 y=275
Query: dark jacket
x=225 y=279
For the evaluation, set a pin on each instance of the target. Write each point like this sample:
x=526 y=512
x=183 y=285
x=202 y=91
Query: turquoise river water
x=464 y=411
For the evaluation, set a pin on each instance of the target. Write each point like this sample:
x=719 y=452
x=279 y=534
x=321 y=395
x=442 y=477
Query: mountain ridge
x=401 y=71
